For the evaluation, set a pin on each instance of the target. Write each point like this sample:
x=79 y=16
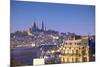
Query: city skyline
x=60 y=17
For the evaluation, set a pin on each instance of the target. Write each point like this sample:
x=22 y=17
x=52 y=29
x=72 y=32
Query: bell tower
x=42 y=25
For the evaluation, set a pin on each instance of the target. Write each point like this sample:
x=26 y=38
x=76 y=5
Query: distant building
x=35 y=28
x=38 y=61
x=92 y=48
x=49 y=53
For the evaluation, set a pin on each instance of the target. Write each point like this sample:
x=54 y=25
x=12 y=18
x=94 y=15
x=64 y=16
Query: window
x=84 y=59
x=83 y=52
x=68 y=60
x=63 y=60
x=85 y=43
x=76 y=52
x=70 y=43
x=72 y=51
x=72 y=59
x=77 y=60
x=79 y=43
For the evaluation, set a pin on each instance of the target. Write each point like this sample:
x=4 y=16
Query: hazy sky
x=61 y=17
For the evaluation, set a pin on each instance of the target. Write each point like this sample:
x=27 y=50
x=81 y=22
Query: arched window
x=76 y=52
x=77 y=60
x=72 y=51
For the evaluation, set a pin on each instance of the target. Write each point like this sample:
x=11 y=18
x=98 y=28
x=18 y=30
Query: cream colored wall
x=74 y=47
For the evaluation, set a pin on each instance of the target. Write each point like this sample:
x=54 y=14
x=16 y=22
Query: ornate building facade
x=74 y=50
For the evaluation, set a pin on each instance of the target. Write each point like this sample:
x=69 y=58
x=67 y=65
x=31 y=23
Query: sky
x=79 y=19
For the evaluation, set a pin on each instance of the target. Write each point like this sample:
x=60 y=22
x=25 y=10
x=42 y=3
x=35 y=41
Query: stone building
x=74 y=50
